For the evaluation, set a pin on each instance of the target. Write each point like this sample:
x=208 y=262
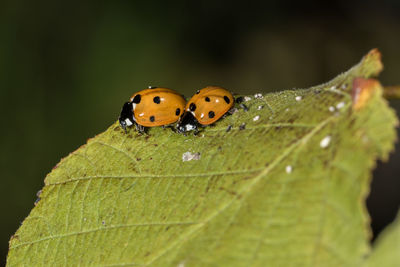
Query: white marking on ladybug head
x=128 y=122
x=189 y=127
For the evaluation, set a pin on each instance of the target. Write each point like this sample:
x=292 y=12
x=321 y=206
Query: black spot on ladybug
x=192 y=107
x=207 y=99
x=152 y=119
x=178 y=111
x=211 y=114
x=137 y=99
x=156 y=99
x=227 y=100
x=197 y=92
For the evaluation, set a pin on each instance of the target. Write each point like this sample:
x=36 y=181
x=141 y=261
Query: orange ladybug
x=152 y=107
x=206 y=107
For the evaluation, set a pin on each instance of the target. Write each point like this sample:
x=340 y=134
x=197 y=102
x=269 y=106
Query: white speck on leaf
x=256 y=118
x=247 y=98
x=340 y=105
x=325 y=141
x=259 y=107
x=331 y=109
x=258 y=95
x=344 y=86
x=188 y=156
x=333 y=88
x=298 y=98
x=287 y=109
x=288 y=169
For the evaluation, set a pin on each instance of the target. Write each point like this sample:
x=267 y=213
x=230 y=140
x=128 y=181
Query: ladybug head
x=126 y=116
x=187 y=123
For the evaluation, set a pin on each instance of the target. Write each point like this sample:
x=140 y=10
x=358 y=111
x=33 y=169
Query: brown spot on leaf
x=362 y=91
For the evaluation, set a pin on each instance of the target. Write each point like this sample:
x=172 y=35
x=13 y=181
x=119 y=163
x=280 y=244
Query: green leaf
x=386 y=251
x=289 y=189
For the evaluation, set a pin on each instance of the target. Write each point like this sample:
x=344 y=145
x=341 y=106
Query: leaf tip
x=374 y=60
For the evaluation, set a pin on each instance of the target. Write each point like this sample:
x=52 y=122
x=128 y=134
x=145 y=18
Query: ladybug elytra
x=206 y=107
x=152 y=107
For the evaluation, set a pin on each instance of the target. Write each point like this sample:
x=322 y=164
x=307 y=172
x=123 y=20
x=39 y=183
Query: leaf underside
x=288 y=190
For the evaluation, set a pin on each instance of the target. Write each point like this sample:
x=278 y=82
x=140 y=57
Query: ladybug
x=206 y=107
x=152 y=107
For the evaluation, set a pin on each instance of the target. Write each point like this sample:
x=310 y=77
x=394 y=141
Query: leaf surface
x=287 y=190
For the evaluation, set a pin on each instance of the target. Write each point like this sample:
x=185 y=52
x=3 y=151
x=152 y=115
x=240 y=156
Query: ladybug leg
x=140 y=128
x=244 y=107
x=123 y=126
x=240 y=100
x=232 y=111
x=172 y=127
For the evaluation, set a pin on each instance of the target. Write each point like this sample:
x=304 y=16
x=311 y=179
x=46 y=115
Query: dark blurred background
x=66 y=67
